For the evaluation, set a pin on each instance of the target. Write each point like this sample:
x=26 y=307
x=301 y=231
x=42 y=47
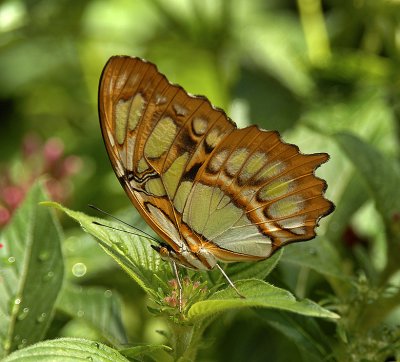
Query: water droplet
x=48 y=276
x=23 y=314
x=22 y=344
x=41 y=318
x=122 y=247
x=79 y=270
x=97 y=345
x=14 y=305
x=44 y=256
x=80 y=313
x=108 y=293
x=89 y=358
x=11 y=259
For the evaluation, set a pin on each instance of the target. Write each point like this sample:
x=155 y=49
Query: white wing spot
x=199 y=126
x=217 y=161
x=180 y=110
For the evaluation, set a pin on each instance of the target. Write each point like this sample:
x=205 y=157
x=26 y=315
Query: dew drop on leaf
x=121 y=247
x=80 y=313
x=108 y=293
x=41 y=318
x=11 y=259
x=23 y=314
x=79 y=270
x=14 y=305
x=44 y=256
x=48 y=276
x=22 y=344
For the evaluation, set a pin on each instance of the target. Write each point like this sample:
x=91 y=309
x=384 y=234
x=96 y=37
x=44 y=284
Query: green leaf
x=31 y=274
x=354 y=195
x=242 y=270
x=318 y=255
x=67 y=350
x=256 y=270
x=381 y=174
x=303 y=331
x=133 y=253
x=258 y=294
x=157 y=352
x=98 y=307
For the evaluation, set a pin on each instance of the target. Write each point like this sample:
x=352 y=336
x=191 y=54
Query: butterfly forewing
x=206 y=187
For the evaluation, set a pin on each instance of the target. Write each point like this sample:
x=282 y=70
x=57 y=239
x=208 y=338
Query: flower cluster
x=37 y=159
x=191 y=293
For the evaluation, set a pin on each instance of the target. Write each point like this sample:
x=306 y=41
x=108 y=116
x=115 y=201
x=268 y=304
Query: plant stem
x=315 y=33
x=186 y=339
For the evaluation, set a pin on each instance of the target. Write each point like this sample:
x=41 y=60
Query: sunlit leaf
x=67 y=350
x=258 y=294
x=133 y=253
x=31 y=274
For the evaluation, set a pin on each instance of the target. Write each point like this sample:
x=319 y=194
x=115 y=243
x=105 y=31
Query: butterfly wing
x=156 y=136
x=256 y=194
x=198 y=180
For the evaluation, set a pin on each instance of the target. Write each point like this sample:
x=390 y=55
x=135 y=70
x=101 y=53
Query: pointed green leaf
x=31 y=273
x=67 y=350
x=133 y=253
x=98 y=307
x=258 y=294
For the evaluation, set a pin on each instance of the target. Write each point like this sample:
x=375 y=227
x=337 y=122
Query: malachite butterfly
x=211 y=191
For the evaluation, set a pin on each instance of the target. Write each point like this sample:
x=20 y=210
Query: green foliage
x=324 y=74
x=31 y=273
x=200 y=301
x=67 y=349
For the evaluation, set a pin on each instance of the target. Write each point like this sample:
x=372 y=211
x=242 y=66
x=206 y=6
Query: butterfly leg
x=175 y=269
x=230 y=281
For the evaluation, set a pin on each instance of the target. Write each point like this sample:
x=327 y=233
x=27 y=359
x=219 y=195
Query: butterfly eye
x=164 y=253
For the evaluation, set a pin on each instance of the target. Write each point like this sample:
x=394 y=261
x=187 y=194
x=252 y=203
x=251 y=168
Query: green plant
x=204 y=297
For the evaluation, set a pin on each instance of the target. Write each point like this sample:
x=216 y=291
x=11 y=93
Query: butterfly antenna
x=144 y=234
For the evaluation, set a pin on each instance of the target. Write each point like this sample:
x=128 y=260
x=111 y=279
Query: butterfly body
x=211 y=191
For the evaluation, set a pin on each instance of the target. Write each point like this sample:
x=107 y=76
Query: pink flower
x=37 y=160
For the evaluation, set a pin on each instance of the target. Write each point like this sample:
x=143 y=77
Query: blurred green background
x=309 y=69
